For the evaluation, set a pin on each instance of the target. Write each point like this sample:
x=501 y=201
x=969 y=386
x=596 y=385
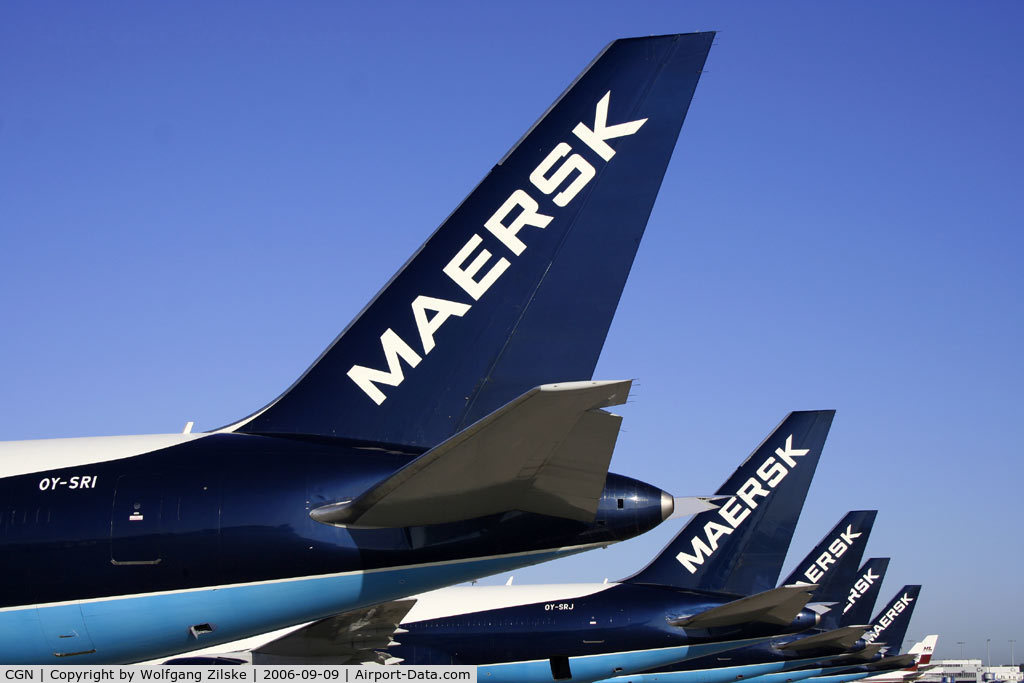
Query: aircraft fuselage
x=632 y=621
x=209 y=539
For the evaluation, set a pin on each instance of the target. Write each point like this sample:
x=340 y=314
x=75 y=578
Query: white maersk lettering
x=527 y=214
x=859 y=589
x=547 y=185
x=597 y=137
x=463 y=276
x=518 y=211
x=771 y=472
x=886 y=620
x=394 y=348
x=427 y=327
x=836 y=549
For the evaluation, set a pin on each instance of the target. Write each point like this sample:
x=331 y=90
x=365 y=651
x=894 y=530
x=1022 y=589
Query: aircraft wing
x=546 y=451
x=841 y=639
x=353 y=637
x=777 y=606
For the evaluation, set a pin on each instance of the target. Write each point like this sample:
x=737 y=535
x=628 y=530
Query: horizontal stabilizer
x=821 y=607
x=840 y=639
x=778 y=606
x=347 y=638
x=867 y=654
x=546 y=452
x=893 y=663
x=692 y=505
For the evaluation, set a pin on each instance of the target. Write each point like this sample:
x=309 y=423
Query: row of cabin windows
x=14 y=518
x=520 y=621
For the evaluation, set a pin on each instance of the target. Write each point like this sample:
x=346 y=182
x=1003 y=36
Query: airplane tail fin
x=518 y=286
x=740 y=547
x=924 y=649
x=861 y=595
x=890 y=625
x=832 y=564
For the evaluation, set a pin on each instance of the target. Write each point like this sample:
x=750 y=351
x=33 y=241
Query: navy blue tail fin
x=740 y=547
x=861 y=596
x=832 y=564
x=890 y=625
x=518 y=286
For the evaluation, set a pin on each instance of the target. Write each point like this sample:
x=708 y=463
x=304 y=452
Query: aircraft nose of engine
x=668 y=505
x=630 y=507
x=807 y=618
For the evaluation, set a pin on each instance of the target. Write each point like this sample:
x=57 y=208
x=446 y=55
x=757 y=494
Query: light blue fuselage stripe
x=124 y=630
x=843 y=678
x=724 y=674
x=816 y=674
x=788 y=676
x=589 y=668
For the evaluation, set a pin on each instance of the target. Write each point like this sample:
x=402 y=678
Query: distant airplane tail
x=832 y=564
x=924 y=649
x=862 y=593
x=890 y=625
x=740 y=547
x=517 y=287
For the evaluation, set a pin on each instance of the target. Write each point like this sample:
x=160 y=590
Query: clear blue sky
x=196 y=197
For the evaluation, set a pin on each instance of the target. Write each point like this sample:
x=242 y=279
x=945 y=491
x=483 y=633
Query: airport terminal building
x=970 y=671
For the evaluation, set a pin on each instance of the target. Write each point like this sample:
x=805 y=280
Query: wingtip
x=607 y=392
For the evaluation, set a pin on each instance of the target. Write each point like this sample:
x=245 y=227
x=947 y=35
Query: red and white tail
x=924 y=650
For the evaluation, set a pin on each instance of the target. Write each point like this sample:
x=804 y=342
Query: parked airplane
x=446 y=434
x=891 y=669
x=921 y=653
x=832 y=565
x=688 y=602
x=879 y=656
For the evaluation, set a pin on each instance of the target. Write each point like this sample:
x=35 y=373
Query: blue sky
x=195 y=198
